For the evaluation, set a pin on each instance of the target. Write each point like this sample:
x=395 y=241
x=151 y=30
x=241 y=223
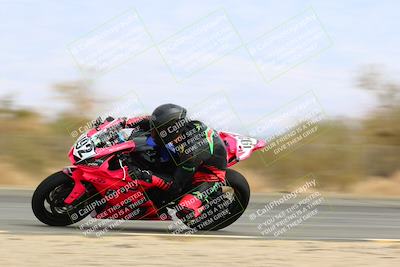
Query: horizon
x=31 y=68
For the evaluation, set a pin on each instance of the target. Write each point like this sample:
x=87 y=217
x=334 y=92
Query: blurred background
x=44 y=94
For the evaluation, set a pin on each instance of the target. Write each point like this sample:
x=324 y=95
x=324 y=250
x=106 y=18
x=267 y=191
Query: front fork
x=79 y=189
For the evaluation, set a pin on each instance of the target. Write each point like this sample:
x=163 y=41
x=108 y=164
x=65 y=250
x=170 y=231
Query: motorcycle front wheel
x=48 y=201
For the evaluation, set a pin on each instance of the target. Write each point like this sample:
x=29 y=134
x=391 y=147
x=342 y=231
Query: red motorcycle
x=98 y=182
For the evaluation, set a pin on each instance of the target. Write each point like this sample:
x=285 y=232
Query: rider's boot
x=193 y=204
x=189 y=207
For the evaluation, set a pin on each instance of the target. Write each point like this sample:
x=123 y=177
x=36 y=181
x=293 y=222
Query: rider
x=197 y=150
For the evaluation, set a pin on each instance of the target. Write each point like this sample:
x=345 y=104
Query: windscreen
x=112 y=134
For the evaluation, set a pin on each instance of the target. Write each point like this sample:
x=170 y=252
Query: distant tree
x=6 y=102
x=77 y=95
x=381 y=127
x=9 y=110
x=386 y=91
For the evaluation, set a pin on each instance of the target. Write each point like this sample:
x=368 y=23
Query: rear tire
x=241 y=194
x=48 y=201
x=241 y=197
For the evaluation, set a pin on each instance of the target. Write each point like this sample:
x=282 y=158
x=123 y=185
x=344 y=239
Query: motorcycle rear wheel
x=240 y=196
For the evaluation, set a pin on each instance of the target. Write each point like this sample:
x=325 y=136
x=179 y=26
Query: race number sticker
x=84 y=148
x=245 y=146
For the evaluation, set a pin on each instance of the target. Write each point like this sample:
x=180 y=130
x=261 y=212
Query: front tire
x=48 y=201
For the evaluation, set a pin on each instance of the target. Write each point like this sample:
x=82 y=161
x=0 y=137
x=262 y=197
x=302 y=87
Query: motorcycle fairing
x=239 y=147
x=95 y=168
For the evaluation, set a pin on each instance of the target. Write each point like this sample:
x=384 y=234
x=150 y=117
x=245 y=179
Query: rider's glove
x=137 y=173
x=140 y=123
x=148 y=177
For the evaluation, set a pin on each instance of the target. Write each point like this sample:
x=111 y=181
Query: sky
x=36 y=37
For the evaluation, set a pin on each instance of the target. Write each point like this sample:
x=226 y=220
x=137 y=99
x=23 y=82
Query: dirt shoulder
x=17 y=250
x=370 y=186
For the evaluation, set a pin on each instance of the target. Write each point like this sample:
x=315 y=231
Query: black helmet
x=167 y=123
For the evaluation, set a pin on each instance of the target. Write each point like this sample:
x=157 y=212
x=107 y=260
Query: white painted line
x=266 y=239
x=343 y=225
x=382 y=240
x=195 y=235
x=351 y=239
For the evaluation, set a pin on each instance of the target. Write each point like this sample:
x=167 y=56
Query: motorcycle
x=98 y=181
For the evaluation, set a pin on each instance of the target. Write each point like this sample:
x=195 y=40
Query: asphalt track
x=337 y=218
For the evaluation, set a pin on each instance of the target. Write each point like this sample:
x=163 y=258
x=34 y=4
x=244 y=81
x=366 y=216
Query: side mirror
x=97 y=122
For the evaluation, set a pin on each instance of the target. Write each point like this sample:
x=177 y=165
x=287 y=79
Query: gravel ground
x=53 y=250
